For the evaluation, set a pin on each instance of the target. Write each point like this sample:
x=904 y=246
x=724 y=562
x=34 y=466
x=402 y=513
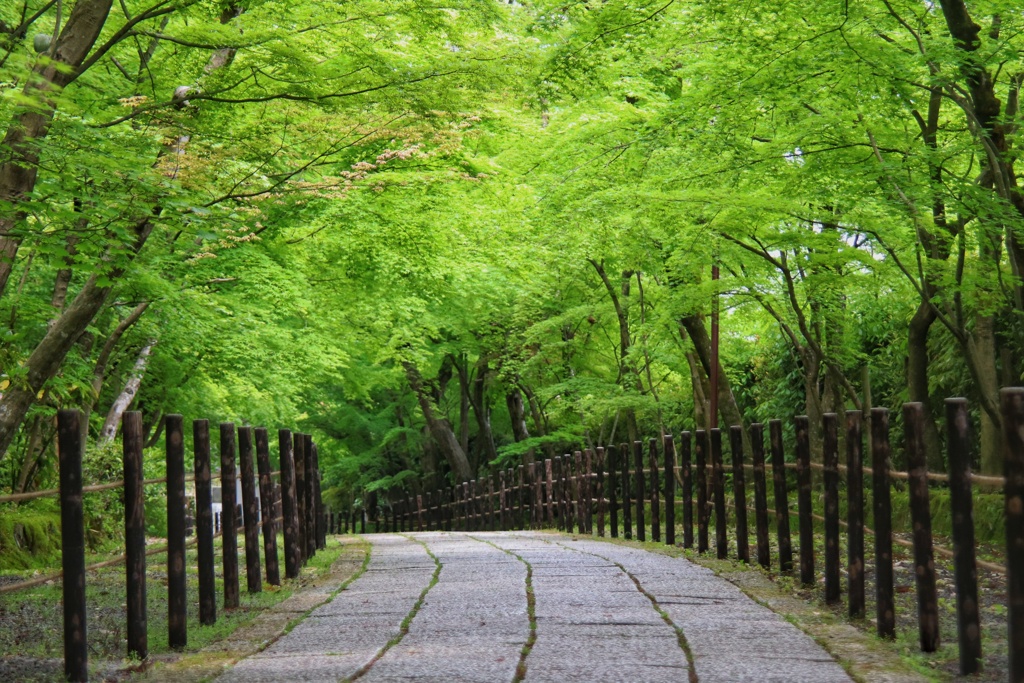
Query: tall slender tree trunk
x=440 y=428
x=917 y=381
x=517 y=413
x=127 y=395
x=728 y=408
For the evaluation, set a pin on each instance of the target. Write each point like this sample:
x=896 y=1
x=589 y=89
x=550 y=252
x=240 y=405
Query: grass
x=30 y=626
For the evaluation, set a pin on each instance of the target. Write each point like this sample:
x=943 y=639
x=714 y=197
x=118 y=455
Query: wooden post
x=538 y=501
x=419 y=512
x=321 y=520
x=830 y=456
x=703 y=506
x=557 y=494
x=229 y=520
x=764 y=554
x=253 y=577
x=267 y=507
x=549 y=488
x=968 y=622
x=134 y=535
x=299 y=450
x=176 y=594
x=739 y=490
x=920 y=514
x=670 y=491
x=502 y=501
x=523 y=499
x=290 y=506
x=1012 y=404
x=362 y=520
x=781 y=496
x=652 y=450
x=588 y=490
x=578 y=490
x=312 y=509
x=638 y=492
x=627 y=506
x=599 y=488
x=204 y=523
x=885 y=616
x=855 y=513
x=466 y=509
x=804 y=510
x=721 y=517
x=70 y=450
x=612 y=486
x=687 y=477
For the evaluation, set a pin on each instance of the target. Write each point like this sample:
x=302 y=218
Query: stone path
x=456 y=607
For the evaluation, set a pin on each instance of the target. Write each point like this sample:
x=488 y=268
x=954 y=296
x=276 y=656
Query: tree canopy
x=449 y=238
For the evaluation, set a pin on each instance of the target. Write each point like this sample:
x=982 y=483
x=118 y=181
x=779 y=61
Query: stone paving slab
x=593 y=621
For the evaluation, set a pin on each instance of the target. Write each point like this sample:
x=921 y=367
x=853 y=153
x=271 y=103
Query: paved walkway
x=456 y=607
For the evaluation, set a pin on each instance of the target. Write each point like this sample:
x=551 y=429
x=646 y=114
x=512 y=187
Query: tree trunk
x=32 y=122
x=728 y=409
x=99 y=373
x=49 y=354
x=983 y=349
x=439 y=427
x=699 y=382
x=478 y=397
x=517 y=413
x=917 y=381
x=127 y=395
x=28 y=463
x=539 y=423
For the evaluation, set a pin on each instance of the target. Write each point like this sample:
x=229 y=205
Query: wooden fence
x=605 y=485
x=299 y=508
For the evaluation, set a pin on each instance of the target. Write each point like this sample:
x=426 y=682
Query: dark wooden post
x=721 y=517
x=299 y=450
x=267 y=507
x=502 y=502
x=764 y=555
x=290 y=506
x=652 y=450
x=523 y=499
x=703 y=505
x=229 y=521
x=204 y=523
x=804 y=510
x=627 y=505
x=612 y=486
x=312 y=510
x=602 y=501
x=253 y=577
x=134 y=535
x=920 y=514
x=739 y=489
x=577 y=492
x=687 y=476
x=362 y=520
x=638 y=492
x=558 y=494
x=419 y=512
x=781 y=496
x=466 y=507
x=588 y=490
x=885 y=617
x=968 y=622
x=547 y=500
x=855 y=513
x=536 y=510
x=670 y=490
x=830 y=456
x=1012 y=404
x=176 y=594
x=70 y=449
x=321 y=520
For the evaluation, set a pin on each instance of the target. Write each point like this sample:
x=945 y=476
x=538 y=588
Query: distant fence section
x=293 y=505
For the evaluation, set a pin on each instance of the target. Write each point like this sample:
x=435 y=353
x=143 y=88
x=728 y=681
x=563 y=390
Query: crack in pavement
x=680 y=636
x=404 y=628
x=531 y=610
